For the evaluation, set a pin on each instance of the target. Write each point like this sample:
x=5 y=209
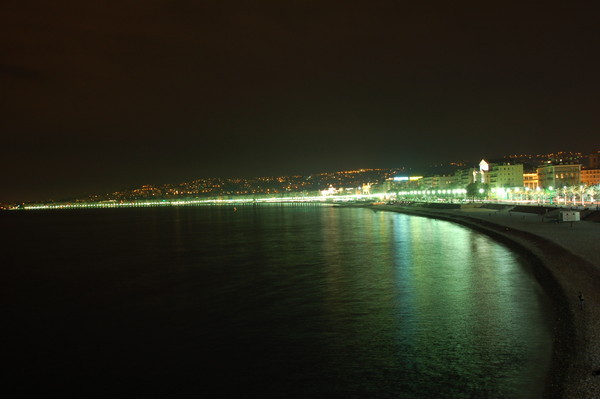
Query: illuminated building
x=506 y=175
x=437 y=181
x=402 y=182
x=464 y=177
x=530 y=180
x=590 y=177
x=483 y=176
x=559 y=175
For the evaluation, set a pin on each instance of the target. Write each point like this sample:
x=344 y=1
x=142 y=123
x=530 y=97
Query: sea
x=267 y=301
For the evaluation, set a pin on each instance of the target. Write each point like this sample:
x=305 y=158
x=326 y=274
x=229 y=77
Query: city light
x=501 y=182
x=237 y=201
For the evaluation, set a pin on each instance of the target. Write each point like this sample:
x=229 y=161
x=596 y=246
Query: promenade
x=566 y=260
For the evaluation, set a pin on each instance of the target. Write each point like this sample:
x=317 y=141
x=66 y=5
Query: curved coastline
x=563 y=272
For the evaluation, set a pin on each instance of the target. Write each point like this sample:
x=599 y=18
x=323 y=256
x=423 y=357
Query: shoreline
x=563 y=267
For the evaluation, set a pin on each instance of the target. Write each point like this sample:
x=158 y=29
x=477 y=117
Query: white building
x=506 y=176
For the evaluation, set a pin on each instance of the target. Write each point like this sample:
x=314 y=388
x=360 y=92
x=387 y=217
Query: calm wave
x=269 y=301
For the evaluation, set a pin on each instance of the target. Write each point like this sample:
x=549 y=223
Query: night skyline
x=97 y=97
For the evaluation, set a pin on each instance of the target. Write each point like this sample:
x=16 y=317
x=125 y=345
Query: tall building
x=590 y=177
x=464 y=177
x=437 y=181
x=506 y=175
x=559 y=175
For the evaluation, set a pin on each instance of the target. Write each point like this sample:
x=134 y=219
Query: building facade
x=530 y=180
x=483 y=174
x=590 y=177
x=506 y=175
x=437 y=182
x=559 y=175
x=464 y=177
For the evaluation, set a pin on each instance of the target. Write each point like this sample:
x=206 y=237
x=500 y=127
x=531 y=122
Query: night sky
x=98 y=96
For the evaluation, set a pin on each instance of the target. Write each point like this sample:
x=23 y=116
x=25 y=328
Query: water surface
x=270 y=301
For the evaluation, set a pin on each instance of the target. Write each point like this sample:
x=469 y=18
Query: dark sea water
x=268 y=301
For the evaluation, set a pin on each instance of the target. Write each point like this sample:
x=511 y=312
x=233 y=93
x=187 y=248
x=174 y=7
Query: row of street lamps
x=558 y=196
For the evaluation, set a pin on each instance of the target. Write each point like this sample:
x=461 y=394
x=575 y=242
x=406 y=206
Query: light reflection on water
x=277 y=302
x=463 y=312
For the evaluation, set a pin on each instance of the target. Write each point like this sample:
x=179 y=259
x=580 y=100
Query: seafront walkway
x=568 y=259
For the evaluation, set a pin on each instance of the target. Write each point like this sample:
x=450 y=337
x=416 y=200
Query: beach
x=566 y=261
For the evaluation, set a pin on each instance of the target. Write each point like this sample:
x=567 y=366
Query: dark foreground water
x=269 y=301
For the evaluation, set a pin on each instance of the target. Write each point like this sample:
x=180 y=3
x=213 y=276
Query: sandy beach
x=566 y=260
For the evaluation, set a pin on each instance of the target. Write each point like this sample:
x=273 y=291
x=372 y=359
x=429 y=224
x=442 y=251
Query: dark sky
x=102 y=95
